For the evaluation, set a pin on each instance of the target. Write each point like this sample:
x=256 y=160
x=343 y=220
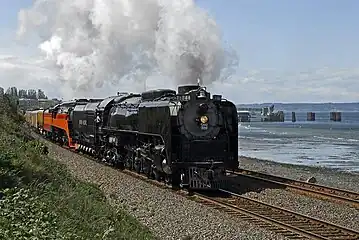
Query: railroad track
x=284 y=222
x=290 y=224
x=287 y=223
x=319 y=191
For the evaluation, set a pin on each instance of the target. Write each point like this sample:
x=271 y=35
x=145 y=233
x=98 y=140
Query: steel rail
x=319 y=191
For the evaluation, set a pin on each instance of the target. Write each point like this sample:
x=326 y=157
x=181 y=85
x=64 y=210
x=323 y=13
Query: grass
x=39 y=199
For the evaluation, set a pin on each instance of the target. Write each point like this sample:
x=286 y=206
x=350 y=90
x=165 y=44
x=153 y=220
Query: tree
x=40 y=94
x=12 y=91
x=22 y=93
x=31 y=94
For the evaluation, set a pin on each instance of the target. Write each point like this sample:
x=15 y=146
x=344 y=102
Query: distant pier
x=310 y=116
x=336 y=116
x=267 y=114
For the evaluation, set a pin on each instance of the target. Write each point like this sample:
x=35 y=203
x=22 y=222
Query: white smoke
x=96 y=43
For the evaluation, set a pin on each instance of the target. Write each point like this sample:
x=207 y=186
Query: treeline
x=23 y=93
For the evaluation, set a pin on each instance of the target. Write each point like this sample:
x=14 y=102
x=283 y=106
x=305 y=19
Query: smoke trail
x=93 y=43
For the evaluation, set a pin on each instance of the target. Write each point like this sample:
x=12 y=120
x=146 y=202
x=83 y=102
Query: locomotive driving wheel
x=65 y=141
x=156 y=174
x=129 y=160
x=176 y=179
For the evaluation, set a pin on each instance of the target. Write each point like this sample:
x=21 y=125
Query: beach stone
x=311 y=180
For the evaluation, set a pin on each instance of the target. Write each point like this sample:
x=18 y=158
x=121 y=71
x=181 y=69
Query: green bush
x=39 y=199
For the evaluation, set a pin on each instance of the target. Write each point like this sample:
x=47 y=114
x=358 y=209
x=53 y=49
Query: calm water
x=319 y=143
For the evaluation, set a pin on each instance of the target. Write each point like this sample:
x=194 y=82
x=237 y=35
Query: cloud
x=37 y=73
x=314 y=85
x=248 y=86
x=93 y=44
x=59 y=73
x=26 y=74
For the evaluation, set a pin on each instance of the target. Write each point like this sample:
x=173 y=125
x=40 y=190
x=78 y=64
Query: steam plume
x=93 y=43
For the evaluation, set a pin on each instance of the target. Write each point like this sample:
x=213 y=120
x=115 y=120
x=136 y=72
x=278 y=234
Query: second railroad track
x=287 y=223
x=319 y=191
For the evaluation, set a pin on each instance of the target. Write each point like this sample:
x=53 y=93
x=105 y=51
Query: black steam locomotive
x=186 y=138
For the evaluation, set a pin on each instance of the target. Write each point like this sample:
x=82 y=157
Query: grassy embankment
x=40 y=200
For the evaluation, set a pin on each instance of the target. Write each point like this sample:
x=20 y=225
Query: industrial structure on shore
x=265 y=114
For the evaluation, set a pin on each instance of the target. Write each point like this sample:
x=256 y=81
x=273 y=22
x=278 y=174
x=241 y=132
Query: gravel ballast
x=338 y=214
x=168 y=215
x=341 y=214
x=324 y=176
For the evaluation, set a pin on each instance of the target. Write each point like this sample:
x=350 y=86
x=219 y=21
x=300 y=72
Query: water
x=319 y=143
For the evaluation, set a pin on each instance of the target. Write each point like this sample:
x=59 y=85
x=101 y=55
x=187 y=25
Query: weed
x=39 y=199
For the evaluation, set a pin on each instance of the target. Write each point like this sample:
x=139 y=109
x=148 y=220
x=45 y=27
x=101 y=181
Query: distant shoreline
x=293 y=103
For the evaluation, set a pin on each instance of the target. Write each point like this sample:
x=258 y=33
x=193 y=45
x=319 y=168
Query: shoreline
x=324 y=175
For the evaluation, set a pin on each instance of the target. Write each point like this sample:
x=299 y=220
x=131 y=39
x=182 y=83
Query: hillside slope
x=40 y=200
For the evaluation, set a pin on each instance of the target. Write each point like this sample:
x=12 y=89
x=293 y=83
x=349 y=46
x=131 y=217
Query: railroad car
x=40 y=120
x=33 y=122
x=88 y=120
x=56 y=124
x=34 y=118
x=28 y=117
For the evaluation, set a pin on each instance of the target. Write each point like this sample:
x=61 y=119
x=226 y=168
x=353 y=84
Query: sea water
x=319 y=143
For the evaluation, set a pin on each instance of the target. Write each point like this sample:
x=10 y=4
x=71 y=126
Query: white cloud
x=316 y=85
x=46 y=21
x=260 y=85
x=94 y=43
x=26 y=74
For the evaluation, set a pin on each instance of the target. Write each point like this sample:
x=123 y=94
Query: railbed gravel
x=166 y=214
x=341 y=214
x=323 y=176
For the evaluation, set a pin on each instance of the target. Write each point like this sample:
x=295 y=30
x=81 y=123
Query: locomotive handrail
x=165 y=96
x=133 y=105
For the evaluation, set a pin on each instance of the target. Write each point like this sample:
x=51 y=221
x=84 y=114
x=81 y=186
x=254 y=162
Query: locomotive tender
x=187 y=138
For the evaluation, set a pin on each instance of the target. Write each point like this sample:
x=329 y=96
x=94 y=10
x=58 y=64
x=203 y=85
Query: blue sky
x=289 y=51
x=290 y=34
x=8 y=24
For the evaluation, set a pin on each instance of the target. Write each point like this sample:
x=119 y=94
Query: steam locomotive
x=186 y=138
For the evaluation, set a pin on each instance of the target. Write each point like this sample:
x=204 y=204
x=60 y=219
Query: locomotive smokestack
x=186 y=88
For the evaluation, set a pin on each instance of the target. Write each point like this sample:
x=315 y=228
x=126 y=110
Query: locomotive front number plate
x=204 y=126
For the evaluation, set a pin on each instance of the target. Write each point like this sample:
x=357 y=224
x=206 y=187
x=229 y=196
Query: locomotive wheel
x=149 y=170
x=129 y=161
x=167 y=179
x=138 y=167
x=120 y=165
x=156 y=175
x=176 y=180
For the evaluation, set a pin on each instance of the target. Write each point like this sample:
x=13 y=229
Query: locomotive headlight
x=204 y=119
